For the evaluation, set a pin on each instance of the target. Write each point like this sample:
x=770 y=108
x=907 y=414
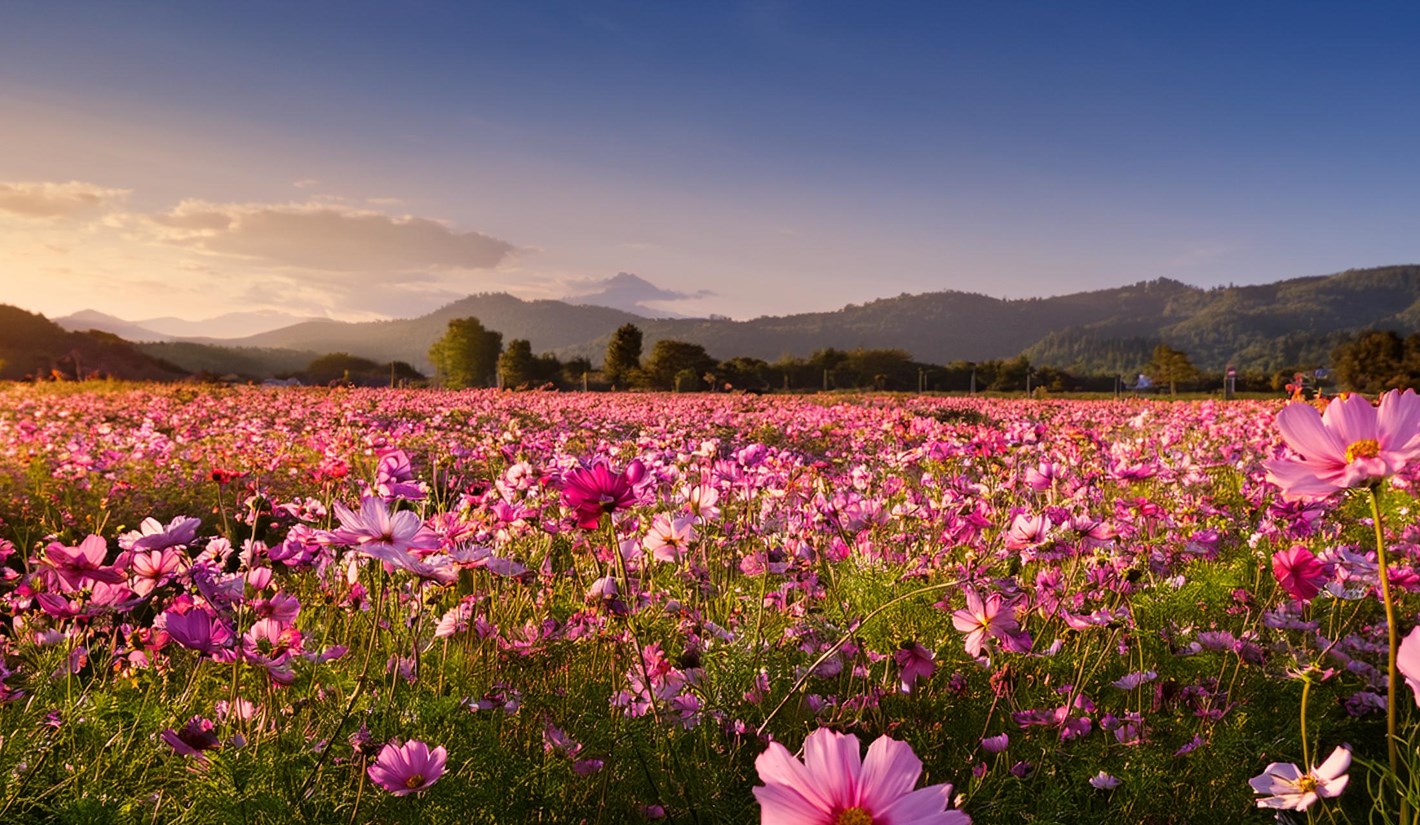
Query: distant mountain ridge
x=227 y=325
x=1264 y=327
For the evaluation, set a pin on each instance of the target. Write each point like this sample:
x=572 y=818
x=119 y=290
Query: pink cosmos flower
x=1027 y=531
x=152 y=535
x=594 y=490
x=1350 y=445
x=916 y=662
x=670 y=536
x=82 y=565
x=993 y=618
x=394 y=477
x=387 y=535
x=1299 y=572
x=1407 y=661
x=1292 y=790
x=408 y=768
x=835 y=786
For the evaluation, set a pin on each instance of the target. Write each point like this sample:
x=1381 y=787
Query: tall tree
x=467 y=354
x=1172 y=366
x=623 y=354
x=516 y=366
x=670 y=359
x=1377 y=360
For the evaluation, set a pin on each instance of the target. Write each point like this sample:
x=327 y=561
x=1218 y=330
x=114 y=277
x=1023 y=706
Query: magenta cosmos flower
x=594 y=490
x=1350 y=445
x=1299 y=572
x=1291 y=790
x=408 y=768
x=834 y=786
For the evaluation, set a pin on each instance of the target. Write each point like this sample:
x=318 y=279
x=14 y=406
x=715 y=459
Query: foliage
x=674 y=364
x=1172 y=367
x=1378 y=360
x=467 y=354
x=623 y=355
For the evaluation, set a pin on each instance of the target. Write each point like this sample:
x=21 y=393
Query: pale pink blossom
x=834 y=785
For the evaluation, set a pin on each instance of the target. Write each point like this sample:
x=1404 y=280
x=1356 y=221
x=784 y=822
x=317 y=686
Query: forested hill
x=1267 y=327
x=33 y=346
x=941 y=326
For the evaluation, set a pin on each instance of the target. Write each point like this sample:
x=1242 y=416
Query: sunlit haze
x=365 y=160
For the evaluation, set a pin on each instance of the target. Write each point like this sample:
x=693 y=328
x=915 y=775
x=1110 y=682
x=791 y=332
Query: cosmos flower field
x=253 y=605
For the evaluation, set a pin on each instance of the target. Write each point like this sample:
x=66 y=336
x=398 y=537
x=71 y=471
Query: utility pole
x=973 y=379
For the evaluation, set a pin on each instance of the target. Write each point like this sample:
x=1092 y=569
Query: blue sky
x=361 y=160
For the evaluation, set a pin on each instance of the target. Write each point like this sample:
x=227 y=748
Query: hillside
x=32 y=345
x=1114 y=330
x=1264 y=327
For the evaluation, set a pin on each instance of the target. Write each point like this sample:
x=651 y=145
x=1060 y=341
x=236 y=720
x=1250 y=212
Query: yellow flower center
x=1366 y=448
x=414 y=781
x=1307 y=784
x=854 y=816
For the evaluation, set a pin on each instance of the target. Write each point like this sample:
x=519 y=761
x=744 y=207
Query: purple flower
x=1104 y=782
x=408 y=768
x=194 y=738
x=196 y=629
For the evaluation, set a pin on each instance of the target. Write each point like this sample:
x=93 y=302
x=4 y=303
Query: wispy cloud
x=45 y=200
x=321 y=255
x=320 y=236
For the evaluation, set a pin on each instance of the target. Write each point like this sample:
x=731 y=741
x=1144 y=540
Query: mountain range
x=1262 y=327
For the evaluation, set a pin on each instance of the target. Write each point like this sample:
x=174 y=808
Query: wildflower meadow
x=248 y=605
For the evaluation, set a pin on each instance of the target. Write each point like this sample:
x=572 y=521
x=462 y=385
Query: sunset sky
x=364 y=160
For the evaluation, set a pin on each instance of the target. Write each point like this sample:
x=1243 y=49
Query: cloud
x=629 y=293
x=57 y=200
x=322 y=255
x=328 y=238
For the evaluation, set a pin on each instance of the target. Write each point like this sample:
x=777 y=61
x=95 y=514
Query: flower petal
x=834 y=765
x=890 y=771
x=1302 y=427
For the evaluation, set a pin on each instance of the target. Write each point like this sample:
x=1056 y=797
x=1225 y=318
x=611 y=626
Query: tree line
x=470 y=355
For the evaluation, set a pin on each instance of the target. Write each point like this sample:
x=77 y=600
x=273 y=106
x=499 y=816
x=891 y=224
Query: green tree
x=1378 y=360
x=339 y=366
x=1010 y=376
x=623 y=354
x=745 y=373
x=516 y=366
x=467 y=354
x=1171 y=366
x=669 y=358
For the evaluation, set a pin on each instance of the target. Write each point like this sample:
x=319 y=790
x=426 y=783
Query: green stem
x=1306 y=748
x=1393 y=637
